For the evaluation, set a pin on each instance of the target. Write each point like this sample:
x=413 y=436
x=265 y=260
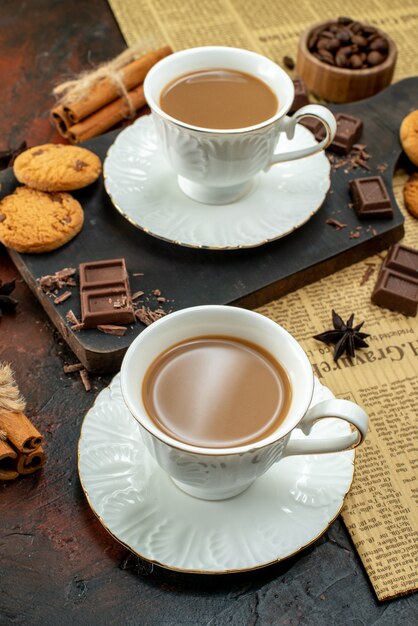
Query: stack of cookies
x=409 y=141
x=41 y=216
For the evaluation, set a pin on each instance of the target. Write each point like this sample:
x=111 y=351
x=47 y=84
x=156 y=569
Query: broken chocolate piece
x=348 y=133
x=403 y=259
x=147 y=316
x=111 y=329
x=71 y=318
x=85 y=379
x=370 y=198
x=63 y=277
x=63 y=297
x=301 y=96
x=332 y=222
x=73 y=367
x=105 y=294
x=396 y=291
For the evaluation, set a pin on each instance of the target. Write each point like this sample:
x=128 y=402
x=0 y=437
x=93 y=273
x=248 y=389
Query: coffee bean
x=344 y=20
x=344 y=36
x=347 y=50
x=341 y=59
x=355 y=27
x=359 y=40
x=375 y=58
x=322 y=43
x=333 y=45
x=356 y=62
x=380 y=44
x=369 y=30
x=288 y=62
x=312 y=41
x=328 y=34
x=326 y=57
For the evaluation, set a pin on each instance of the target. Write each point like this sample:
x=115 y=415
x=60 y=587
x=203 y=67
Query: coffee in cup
x=216 y=392
x=219 y=98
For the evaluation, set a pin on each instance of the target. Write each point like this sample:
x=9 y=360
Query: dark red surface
x=58 y=566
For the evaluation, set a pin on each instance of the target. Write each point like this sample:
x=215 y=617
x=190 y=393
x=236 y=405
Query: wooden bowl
x=337 y=84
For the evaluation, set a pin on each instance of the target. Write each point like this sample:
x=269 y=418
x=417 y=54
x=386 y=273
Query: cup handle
x=320 y=113
x=342 y=409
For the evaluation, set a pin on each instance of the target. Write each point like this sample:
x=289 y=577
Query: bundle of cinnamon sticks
x=102 y=106
x=21 y=449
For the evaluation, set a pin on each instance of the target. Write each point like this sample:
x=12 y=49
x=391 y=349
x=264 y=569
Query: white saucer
x=144 y=189
x=282 y=512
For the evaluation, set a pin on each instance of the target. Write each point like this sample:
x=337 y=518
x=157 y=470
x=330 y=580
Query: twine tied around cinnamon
x=95 y=101
x=20 y=442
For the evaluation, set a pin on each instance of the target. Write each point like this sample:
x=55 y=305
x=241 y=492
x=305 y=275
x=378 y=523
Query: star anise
x=7 y=304
x=8 y=156
x=345 y=337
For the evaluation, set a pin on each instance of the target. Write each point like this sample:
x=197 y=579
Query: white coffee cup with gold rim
x=218 y=166
x=216 y=473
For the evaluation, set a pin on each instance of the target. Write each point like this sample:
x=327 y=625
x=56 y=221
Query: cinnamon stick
x=29 y=463
x=20 y=432
x=106 y=117
x=7 y=462
x=106 y=90
x=60 y=119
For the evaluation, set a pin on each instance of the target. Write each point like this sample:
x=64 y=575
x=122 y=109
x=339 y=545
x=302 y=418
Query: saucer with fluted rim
x=281 y=513
x=144 y=189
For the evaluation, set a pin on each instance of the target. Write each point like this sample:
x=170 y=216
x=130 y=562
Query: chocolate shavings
x=147 y=316
x=332 y=222
x=112 y=329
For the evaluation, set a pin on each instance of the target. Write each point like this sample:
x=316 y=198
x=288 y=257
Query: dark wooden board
x=249 y=277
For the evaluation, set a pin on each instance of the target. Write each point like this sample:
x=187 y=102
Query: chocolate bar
x=396 y=291
x=105 y=294
x=301 y=96
x=349 y=130
x=397 y=284
x=403 y=259
x=370 y=198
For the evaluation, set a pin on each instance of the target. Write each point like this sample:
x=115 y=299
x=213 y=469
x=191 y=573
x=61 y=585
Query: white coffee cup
x=219 y=166
x=218 y=473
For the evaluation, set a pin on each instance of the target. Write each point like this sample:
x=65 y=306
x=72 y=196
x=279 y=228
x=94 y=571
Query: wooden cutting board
x=248 y=278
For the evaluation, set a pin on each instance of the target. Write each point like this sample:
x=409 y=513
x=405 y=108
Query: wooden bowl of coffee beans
x=344 y=60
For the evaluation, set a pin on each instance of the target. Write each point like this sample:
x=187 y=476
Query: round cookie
x=409 y=136
x=35 y=221
x=54 y=167
x=410 y=195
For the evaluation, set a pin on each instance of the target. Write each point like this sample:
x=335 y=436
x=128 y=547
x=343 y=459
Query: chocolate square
x=396 y=291
x=105 y=306
x=301 y=96
x=105 y=294
x=370 y=198
x=100 y=273
x=348 y=133
x=403 y=259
